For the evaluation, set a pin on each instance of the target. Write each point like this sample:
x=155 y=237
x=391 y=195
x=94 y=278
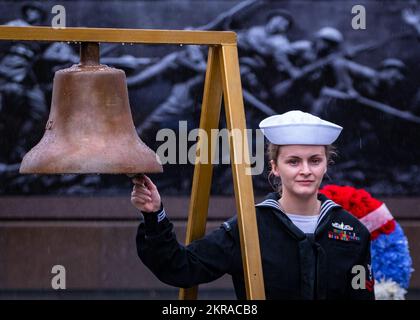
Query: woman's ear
x=274 y=168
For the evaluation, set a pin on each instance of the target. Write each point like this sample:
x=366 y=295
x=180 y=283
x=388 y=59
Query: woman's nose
x=305 y=168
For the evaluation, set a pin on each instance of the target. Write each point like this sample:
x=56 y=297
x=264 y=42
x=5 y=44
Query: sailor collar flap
x=271 y=201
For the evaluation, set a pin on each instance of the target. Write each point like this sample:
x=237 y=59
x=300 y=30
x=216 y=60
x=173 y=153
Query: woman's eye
x=316 y=161
x=293 y=162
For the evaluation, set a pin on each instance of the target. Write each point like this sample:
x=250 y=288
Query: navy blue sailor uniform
x=332 y=263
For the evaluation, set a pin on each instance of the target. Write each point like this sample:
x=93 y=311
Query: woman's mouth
x=305 y=182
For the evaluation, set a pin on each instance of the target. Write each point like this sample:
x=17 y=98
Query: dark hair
x=273 y=153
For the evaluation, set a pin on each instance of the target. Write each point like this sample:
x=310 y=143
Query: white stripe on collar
x=325 y=206
x=269 y=203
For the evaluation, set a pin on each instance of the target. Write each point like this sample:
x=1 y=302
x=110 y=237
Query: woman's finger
x=148 y=182
x=142 y=197
x=141 y=189
x=142 y=194
x=137 y=200
x=140 y=200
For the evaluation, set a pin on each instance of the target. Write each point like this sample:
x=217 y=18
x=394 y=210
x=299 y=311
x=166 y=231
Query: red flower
x=370 y=284
x=388 y=227
x=374 y=234
x=358 y=202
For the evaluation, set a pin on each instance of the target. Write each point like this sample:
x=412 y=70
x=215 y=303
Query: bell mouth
x=132 y=157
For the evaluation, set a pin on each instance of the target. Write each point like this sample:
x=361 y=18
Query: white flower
x=386 y=289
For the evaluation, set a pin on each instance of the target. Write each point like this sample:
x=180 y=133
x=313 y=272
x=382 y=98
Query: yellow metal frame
x=222 y=80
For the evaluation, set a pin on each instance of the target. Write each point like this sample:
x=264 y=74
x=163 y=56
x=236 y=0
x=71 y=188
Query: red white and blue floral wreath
x=391 y=260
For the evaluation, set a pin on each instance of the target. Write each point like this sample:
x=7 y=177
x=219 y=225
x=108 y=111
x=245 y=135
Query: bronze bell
x=90 y=128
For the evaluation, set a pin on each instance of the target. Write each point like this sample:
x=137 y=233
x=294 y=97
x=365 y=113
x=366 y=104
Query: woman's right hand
x=145 y=195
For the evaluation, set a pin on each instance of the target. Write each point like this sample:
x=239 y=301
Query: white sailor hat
x=297 y=127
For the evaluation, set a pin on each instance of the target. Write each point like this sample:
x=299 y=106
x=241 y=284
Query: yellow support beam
x=203 y=170
x=117 y=35
x=242 y=180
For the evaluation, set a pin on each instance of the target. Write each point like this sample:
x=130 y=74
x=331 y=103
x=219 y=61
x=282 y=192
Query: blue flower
x=391 y=257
